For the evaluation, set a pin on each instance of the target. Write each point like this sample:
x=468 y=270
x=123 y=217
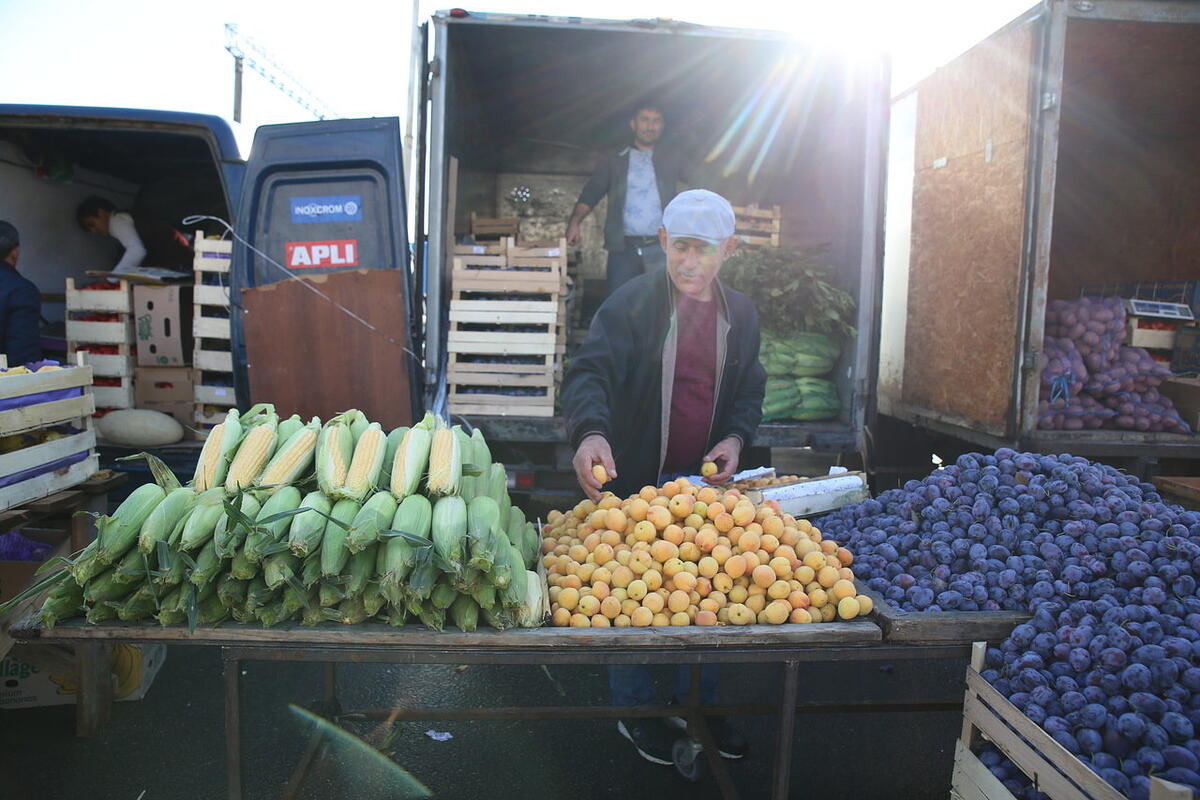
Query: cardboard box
x=23 y=685
x=1185 y=394
x=1186 y=357
x=14 y=575
x=162 y=385
x=163 y=325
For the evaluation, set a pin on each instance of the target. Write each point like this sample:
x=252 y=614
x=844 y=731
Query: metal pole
x=233 y=727
x=787 y=727
x=237 y=88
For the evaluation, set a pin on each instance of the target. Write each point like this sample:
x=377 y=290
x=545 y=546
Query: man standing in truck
x=148 y=242
x=639 y=181
x=667 y=378
x=20 y=304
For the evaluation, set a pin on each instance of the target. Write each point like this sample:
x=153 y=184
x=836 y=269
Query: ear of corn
x=277 y=568
x=465 y=613
x=132 y=567
x=242 y=567
x=335 y=449
x=163 y=518
x=482 y=454
x=497 y=485
x=412 y=458
x=512 y=595
x=531 y=613
x=363 y=473
x=372 y=519
x=139 y=605
x=358 y=423
x=63 y=602
x=333 y=543
x=287 y=429
x=252 y=454
x=231 y=590
x=310 y=570
x=393 y=444
x=514 y=528
x=105 y=587
x=483 y=520
x=201 y=524
x=271 y=526
x=230 y=534
x=304 y=537
x=293 y=457
x=450 y=531
x=507 y=560
x=413 y=516
x=116 y=534
x=468 y=482
x=531 y=545
x=208 y=564
x=445 y=462
x=359 y=570
x=218 y=451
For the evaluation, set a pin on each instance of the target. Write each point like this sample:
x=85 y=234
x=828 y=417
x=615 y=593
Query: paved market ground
x=171 y=744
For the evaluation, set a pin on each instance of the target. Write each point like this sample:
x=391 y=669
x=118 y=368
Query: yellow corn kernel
x=445 y=462
x=366 y=463
x=206 y=467
x=292 y=459
x=251 y=457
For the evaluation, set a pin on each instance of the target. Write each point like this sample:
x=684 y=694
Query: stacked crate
x=100 y=323
x=212 y=356
x=507 y=327
x=756 y=226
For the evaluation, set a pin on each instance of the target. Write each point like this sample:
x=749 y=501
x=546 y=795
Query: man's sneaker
x=651 y=738
x=730 y=743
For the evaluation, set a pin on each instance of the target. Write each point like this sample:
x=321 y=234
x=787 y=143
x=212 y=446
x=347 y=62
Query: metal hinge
x=1049 y=100
x=1031 y=360
x=433 y=68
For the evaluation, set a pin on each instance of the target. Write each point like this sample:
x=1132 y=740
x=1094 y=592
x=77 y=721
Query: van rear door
x=321 y=272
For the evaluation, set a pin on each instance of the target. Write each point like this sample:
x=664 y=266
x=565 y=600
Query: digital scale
x=1180 y=312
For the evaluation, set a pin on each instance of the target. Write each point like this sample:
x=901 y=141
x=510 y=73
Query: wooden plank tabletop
x=374 y=634
x=940 y=627
x=1183 y=487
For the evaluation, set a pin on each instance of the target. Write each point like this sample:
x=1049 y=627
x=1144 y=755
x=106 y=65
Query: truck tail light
x=520 y=479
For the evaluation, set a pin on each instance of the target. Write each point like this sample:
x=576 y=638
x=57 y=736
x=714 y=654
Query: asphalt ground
x=170 y=744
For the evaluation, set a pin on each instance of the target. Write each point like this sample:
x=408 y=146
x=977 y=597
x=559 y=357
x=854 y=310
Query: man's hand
x=594 y=450
x=725 y=455
x=574 y=237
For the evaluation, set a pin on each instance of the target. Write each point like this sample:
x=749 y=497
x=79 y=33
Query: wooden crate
x=92 y=332
x=38 y=415
x=211 y=333
x=758 y=226
x=1056 y=771
x=115 y=396
x=106 y=365
x=208 y=395
x=111 y=301
x=495 y=274
x=940 y=627
x=494 y=226
x=212 y=255
x=493 y=248
x=1150 y=338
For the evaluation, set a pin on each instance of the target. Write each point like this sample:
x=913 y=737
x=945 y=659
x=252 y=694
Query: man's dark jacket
x=20 y=316
x=612 y=176
x=615 y=383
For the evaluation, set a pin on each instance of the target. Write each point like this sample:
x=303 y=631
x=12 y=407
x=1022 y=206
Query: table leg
x=698 y=728
x=94 y=692
x=787 y=727
x=232 y=669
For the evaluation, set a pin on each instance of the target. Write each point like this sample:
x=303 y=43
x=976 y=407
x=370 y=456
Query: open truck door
x=322 y=294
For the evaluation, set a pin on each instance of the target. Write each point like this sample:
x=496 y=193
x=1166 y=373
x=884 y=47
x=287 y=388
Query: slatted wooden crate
x=55 y=398
x=118 y=300
x=494 y=226
x=113 y=393
x=212 y=355
x=115 y=338
x=758 y=226
x=104 y=364
x=988 y=715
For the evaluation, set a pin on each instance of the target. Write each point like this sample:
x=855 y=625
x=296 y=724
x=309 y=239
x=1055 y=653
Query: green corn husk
x=532 y=613
x=308 y=528
x=139 y=605
x=513 y=522
x=133 y=567
x=272 y=523
x=105 y=587
x=532 y=546
x=358 y=423
x=443 y=595
x=118 y=533
x=423 y=576
x=512 y=595
x=334 y=554
x=211 y=611
x=242 y=568
x=286 y=429
x=332 y=436
x=485 y=595
x=468 y=484
x=414 y=518
x=226 y=446
x=372 y=519
x=231 y=590
x=208 y=565
x=202 y=522
x=257 y=596
x=313 y=614
x=397 y=617
x=497 y=485
x=310 y=570
x=64 y=601
x=359 y=570
x=103 y=612
x=274 y=613
x=508 y=560
x=498 y=618
x=87 y=564
x=393 y=444
x=351 y=611
x=449 y=527
x=373 y=599
x=432 y=617
x=330 y=593
x=168 y=608
x=468 y=580
x=279 y=567
x=465 y=613
x=480 y=452
x=230 y=533
x=295 y=595
x=164 y=518
x=411 y=460
x=483 y=520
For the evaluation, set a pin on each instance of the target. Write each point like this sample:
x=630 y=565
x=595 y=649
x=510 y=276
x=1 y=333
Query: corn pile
x=689 y=555
x=336 y=522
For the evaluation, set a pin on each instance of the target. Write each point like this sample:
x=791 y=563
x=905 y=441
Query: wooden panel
x=51 y=482
x=111 y=301
x=19 y=420
x=50 y=381
x=213 y=360
x=499 y=410
x=114 y=396
x=307 y=356
x=215 y=395
x=30 y=457
x=210 y=328
x=100 y=332
x=967 y=227
x=941 y=627
x=210 y=295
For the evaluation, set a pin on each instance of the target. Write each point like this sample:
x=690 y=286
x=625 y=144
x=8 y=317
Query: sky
x=353 y=55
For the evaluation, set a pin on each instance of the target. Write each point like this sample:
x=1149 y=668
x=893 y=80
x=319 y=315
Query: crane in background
x=248 y=53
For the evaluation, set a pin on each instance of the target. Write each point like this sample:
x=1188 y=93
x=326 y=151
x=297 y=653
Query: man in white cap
x=667 y=378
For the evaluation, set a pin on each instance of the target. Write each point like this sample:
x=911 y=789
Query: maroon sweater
x=694 y=391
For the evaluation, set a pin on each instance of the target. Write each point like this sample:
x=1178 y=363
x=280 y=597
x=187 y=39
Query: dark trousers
x=641 y=254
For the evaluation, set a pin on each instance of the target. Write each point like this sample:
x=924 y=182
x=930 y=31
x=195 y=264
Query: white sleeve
x=120 y=227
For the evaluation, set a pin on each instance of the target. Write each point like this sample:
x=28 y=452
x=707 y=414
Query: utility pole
x=249 y=53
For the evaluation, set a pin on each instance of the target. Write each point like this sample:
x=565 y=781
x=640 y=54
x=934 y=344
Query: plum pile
x=1109 y=664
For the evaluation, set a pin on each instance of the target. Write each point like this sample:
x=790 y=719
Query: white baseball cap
x=699 y=214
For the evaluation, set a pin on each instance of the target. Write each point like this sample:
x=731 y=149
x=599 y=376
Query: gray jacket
x=610 y=179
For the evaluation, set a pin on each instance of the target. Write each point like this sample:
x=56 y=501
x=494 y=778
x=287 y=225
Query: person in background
x=148 y=242
x=20 y=304
x=639 y=181
x=667 y=378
